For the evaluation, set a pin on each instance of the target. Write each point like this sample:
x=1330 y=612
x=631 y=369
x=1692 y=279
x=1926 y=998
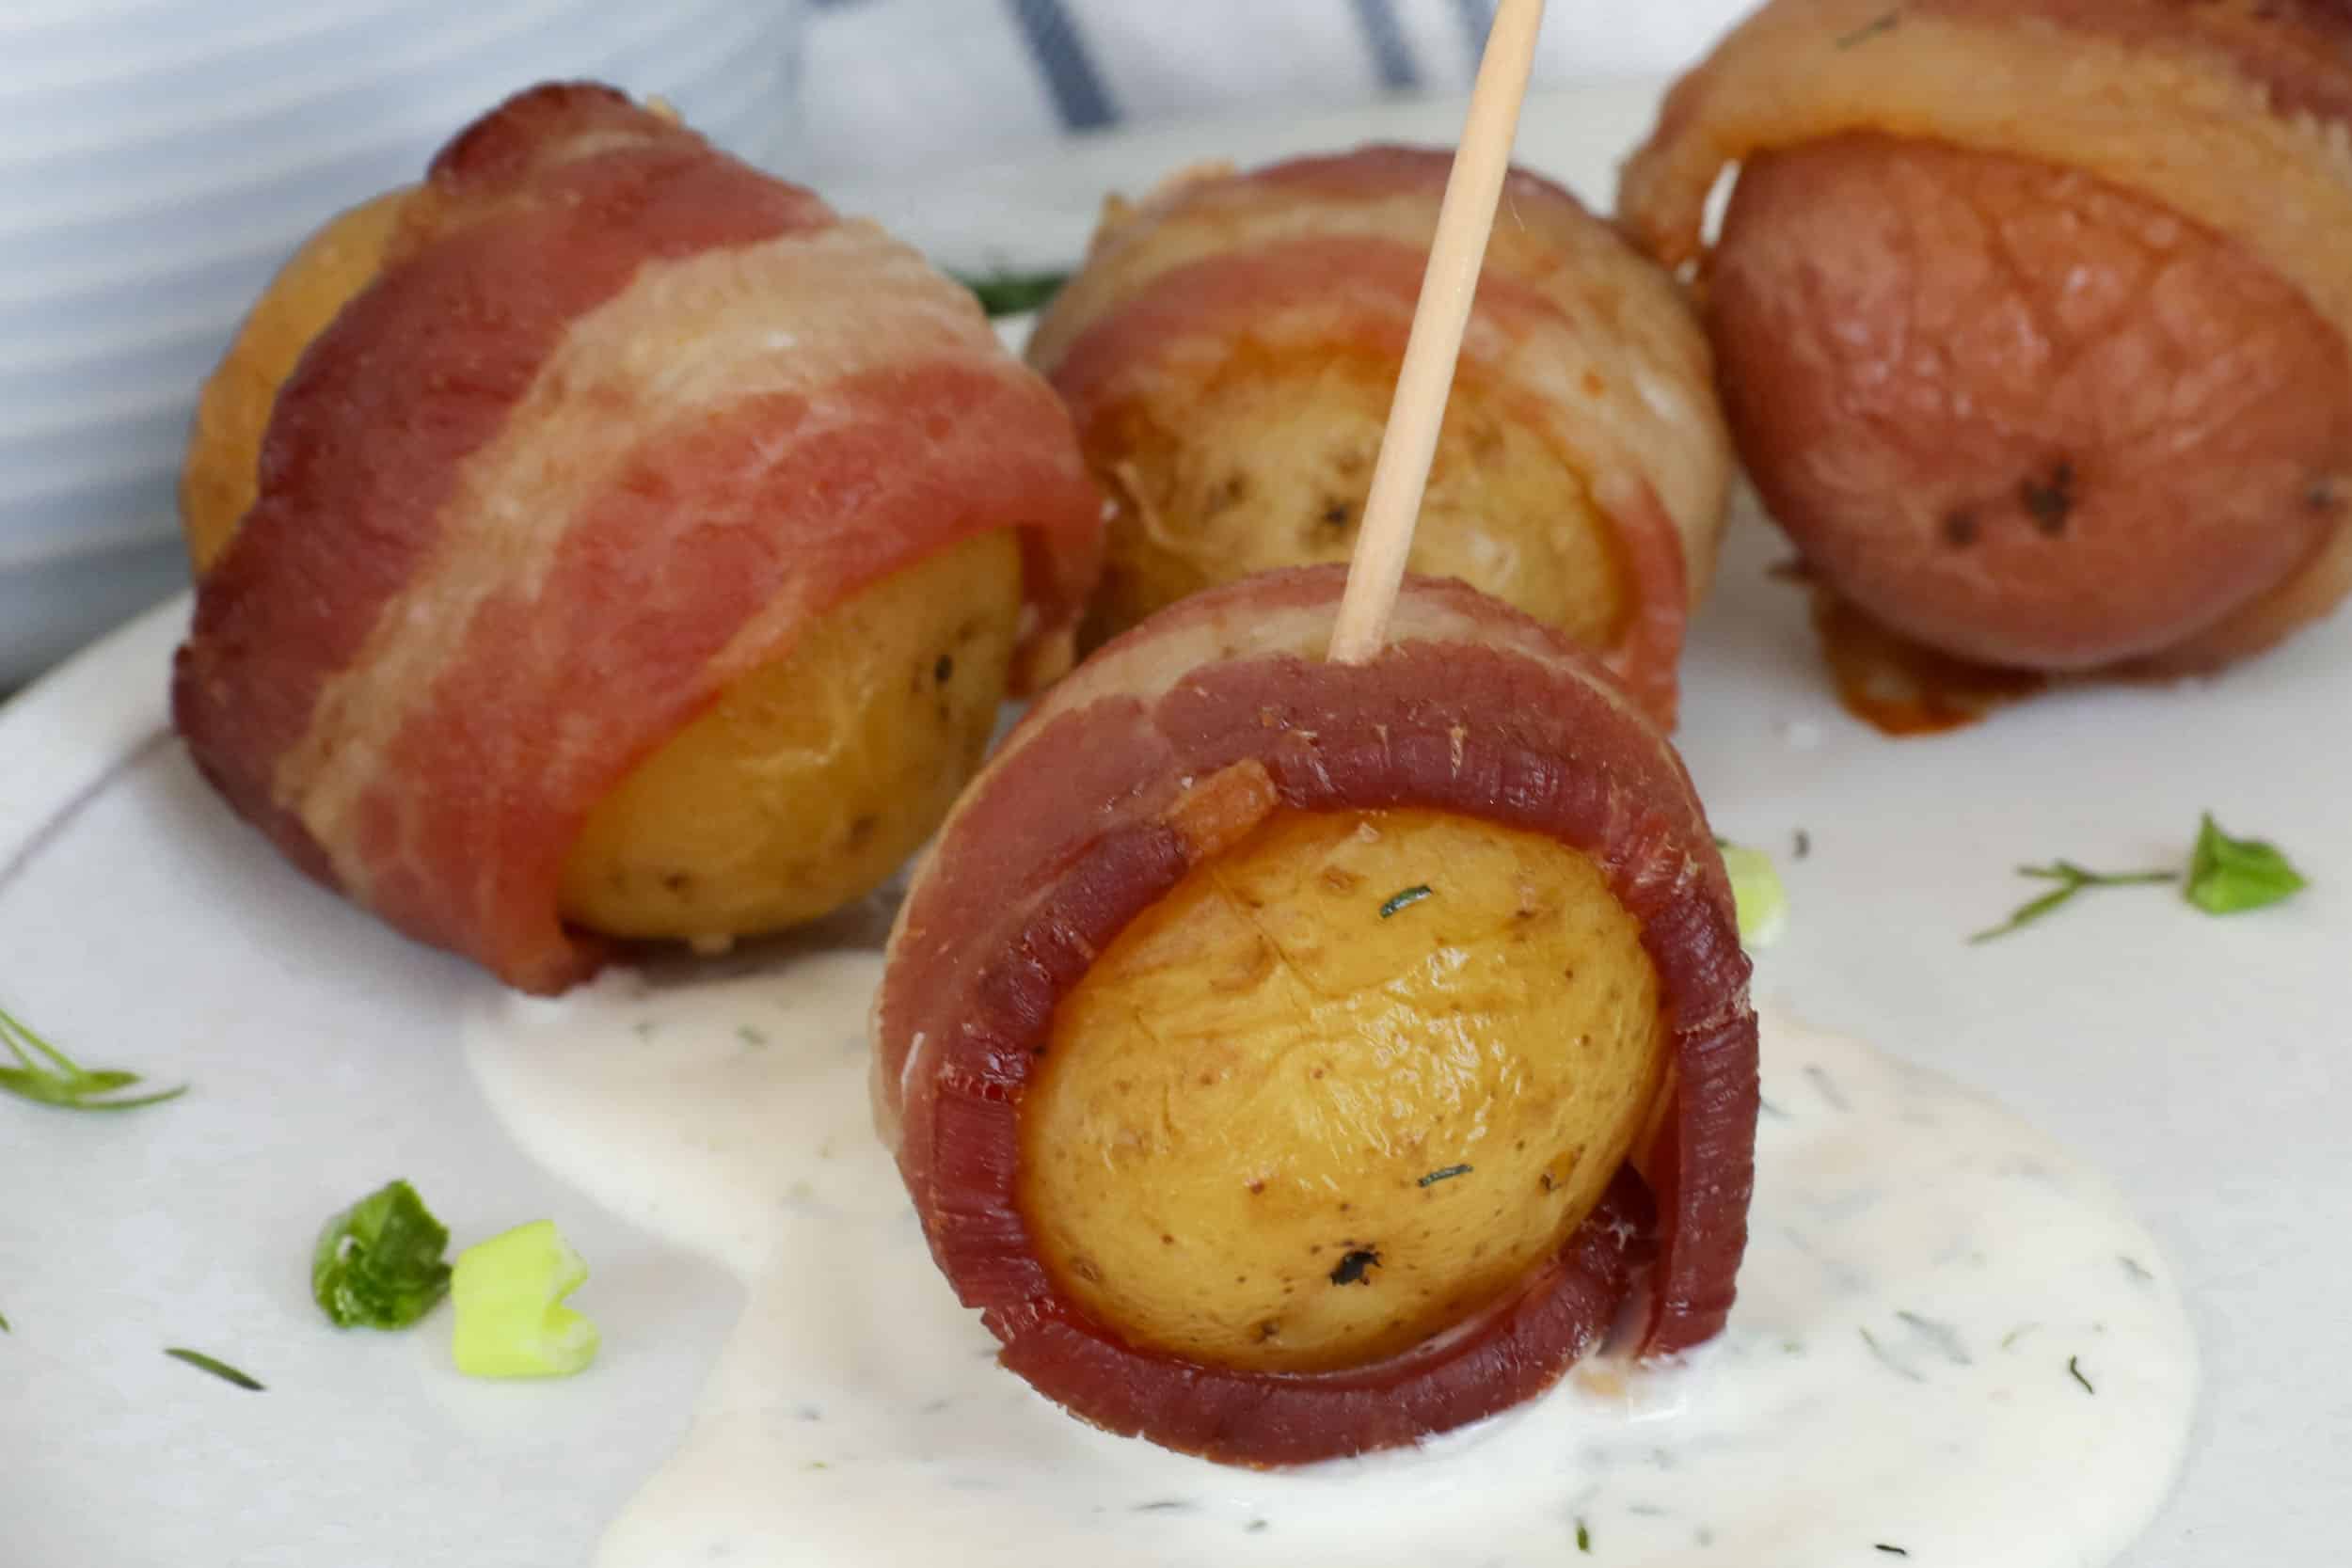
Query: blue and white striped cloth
x=891 y=85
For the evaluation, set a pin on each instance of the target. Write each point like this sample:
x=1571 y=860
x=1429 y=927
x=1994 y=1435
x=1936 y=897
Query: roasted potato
x=1264 y=462
x=2017 y=414
x=812 y=778
x=1346 y=1085
x=218 y=481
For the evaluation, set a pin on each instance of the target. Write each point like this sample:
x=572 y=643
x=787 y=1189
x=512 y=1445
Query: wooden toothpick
x=1466 y=217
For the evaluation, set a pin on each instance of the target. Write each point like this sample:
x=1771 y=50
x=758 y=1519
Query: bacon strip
x=1596 y=348
x=1093 y=811
x=2236 y=113
x=620 y=417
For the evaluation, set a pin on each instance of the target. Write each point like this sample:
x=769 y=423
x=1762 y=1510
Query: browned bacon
x=1169 y=744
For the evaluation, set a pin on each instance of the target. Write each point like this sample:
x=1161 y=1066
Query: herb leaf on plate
x=2229 y=875
x=378 y=1265
x=2072 y=880
x=1013 y=293
x=218 y=1367
x=47 y=1076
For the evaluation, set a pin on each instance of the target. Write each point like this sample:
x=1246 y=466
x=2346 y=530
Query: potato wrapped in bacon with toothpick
x=1229 y=350
x=1292 y=1058
x=602 y=539
x=2033 y=316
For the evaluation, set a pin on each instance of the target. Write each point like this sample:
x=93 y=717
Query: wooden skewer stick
x=1466 y=216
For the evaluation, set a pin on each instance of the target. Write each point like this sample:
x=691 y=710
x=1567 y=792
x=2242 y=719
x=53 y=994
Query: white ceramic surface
x=2201 y=1063
x=161 y=158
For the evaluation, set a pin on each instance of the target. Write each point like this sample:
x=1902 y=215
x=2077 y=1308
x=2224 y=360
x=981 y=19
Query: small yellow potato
x=809 y=781
x=813 y=778
x=1344 y=1086
x=218 y=477
x=1265 y=463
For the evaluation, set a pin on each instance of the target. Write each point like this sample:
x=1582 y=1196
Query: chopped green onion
x=1756 y=888
x=2229 y=875
x=509 y=1293
x=378 y=1263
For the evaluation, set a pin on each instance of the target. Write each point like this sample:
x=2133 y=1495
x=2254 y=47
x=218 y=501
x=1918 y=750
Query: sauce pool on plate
x=1953 y=1342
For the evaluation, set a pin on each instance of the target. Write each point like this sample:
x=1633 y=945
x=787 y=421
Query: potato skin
x=218 y=478
x=2017 y=414
x=815 y=777
x=1263 y=461
x=809 y=781
x=1229 y=1146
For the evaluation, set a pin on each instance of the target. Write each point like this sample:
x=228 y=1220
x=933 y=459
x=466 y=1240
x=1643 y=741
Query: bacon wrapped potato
x=1291 y=1059
x=2032 y=315
x=603 y=539
x=1229 y=349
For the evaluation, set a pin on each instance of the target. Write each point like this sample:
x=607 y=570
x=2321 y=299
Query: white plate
x=2197 y=1061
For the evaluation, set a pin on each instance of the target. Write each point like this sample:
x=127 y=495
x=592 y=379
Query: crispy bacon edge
x=1168 y=746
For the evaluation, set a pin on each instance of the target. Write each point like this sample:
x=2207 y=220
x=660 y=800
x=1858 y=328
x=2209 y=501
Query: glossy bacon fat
x=617 y=419
x=1167 y=748
x=1230 y=347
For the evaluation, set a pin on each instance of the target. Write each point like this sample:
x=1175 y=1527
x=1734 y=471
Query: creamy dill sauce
x=1953 y=1345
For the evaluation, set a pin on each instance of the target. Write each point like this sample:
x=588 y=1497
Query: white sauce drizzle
x=1926 y=1276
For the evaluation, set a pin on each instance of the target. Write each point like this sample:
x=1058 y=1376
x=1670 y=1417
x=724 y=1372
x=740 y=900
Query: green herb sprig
x=2072 y=880
x=47 y=1076
x=2225 y=876
x=1014 y=293
x=218 y=1367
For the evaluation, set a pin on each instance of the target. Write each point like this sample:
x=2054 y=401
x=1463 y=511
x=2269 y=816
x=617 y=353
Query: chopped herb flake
x=219 y=1368
x=378 y=1265
x=3 y=1324
x=750 y=1035
x=1353 y=1268
x=2073 y=1367
x=1909 y=1374
x=1404 y=900
x=1869 y=30
x=1013 y=293
x=1448 y=1174
x=1583 y=1537
x=2072 y=880
x=47 y=1076
x=1890 y=1551
x=2227 y=876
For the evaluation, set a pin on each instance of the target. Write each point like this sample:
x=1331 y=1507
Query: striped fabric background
x=898 y=84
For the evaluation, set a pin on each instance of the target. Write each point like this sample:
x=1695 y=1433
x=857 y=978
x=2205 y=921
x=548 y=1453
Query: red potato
x=2032 y=316
x=2014 y=412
